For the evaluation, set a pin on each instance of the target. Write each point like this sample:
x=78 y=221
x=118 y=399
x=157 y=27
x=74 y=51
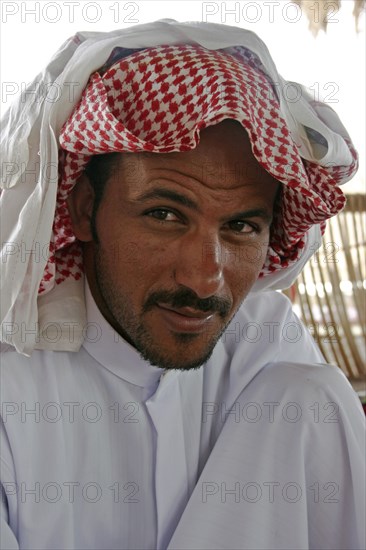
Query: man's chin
x=185 y=355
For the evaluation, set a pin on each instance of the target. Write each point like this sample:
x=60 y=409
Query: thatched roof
x=320 y=12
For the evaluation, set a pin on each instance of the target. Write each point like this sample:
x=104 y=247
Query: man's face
x=182 y=239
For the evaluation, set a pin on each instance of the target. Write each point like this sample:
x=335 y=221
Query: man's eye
x=240 y=226
x=162 y=215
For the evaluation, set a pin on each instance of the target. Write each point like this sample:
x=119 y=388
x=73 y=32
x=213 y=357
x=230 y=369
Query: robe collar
x=113 y=352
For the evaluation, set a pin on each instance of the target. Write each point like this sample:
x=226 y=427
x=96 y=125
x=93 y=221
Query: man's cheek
x=137 y=254
x=255 y=254
x=249 y=257
x=124 y=252
x=245 y=271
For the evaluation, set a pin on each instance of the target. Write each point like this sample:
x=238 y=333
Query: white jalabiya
x=261 y=448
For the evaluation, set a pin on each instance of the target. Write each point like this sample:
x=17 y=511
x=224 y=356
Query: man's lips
x=188 y=311
x=185 y=319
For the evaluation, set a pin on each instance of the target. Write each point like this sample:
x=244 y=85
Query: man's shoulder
x=263 y=305
x=258 y=323
x=28 y=376
x=306 y=375
x=266 y=330
x=319 y=389
x=39 y=359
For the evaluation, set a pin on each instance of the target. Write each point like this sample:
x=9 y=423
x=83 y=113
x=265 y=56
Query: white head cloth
x=30 y=172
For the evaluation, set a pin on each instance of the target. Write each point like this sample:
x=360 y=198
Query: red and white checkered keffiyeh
x=158 y=99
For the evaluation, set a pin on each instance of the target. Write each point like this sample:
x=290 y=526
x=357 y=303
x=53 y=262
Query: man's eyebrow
x=161 y=193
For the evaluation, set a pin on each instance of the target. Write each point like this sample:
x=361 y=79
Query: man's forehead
x=223 y=155
x=224 y=189
x=138 y=172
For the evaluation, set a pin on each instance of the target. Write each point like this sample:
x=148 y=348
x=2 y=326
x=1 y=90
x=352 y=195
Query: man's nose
x=200 y=266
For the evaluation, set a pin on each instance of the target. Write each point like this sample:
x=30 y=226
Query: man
x=167 y=396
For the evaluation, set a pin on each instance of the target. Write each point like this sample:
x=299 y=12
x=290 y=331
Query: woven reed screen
x=330 y=293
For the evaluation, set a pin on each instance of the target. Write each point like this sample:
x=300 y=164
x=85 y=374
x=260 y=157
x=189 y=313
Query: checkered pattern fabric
x=158 y=99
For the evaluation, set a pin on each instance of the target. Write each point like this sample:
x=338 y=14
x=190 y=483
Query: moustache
x=187 y=298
